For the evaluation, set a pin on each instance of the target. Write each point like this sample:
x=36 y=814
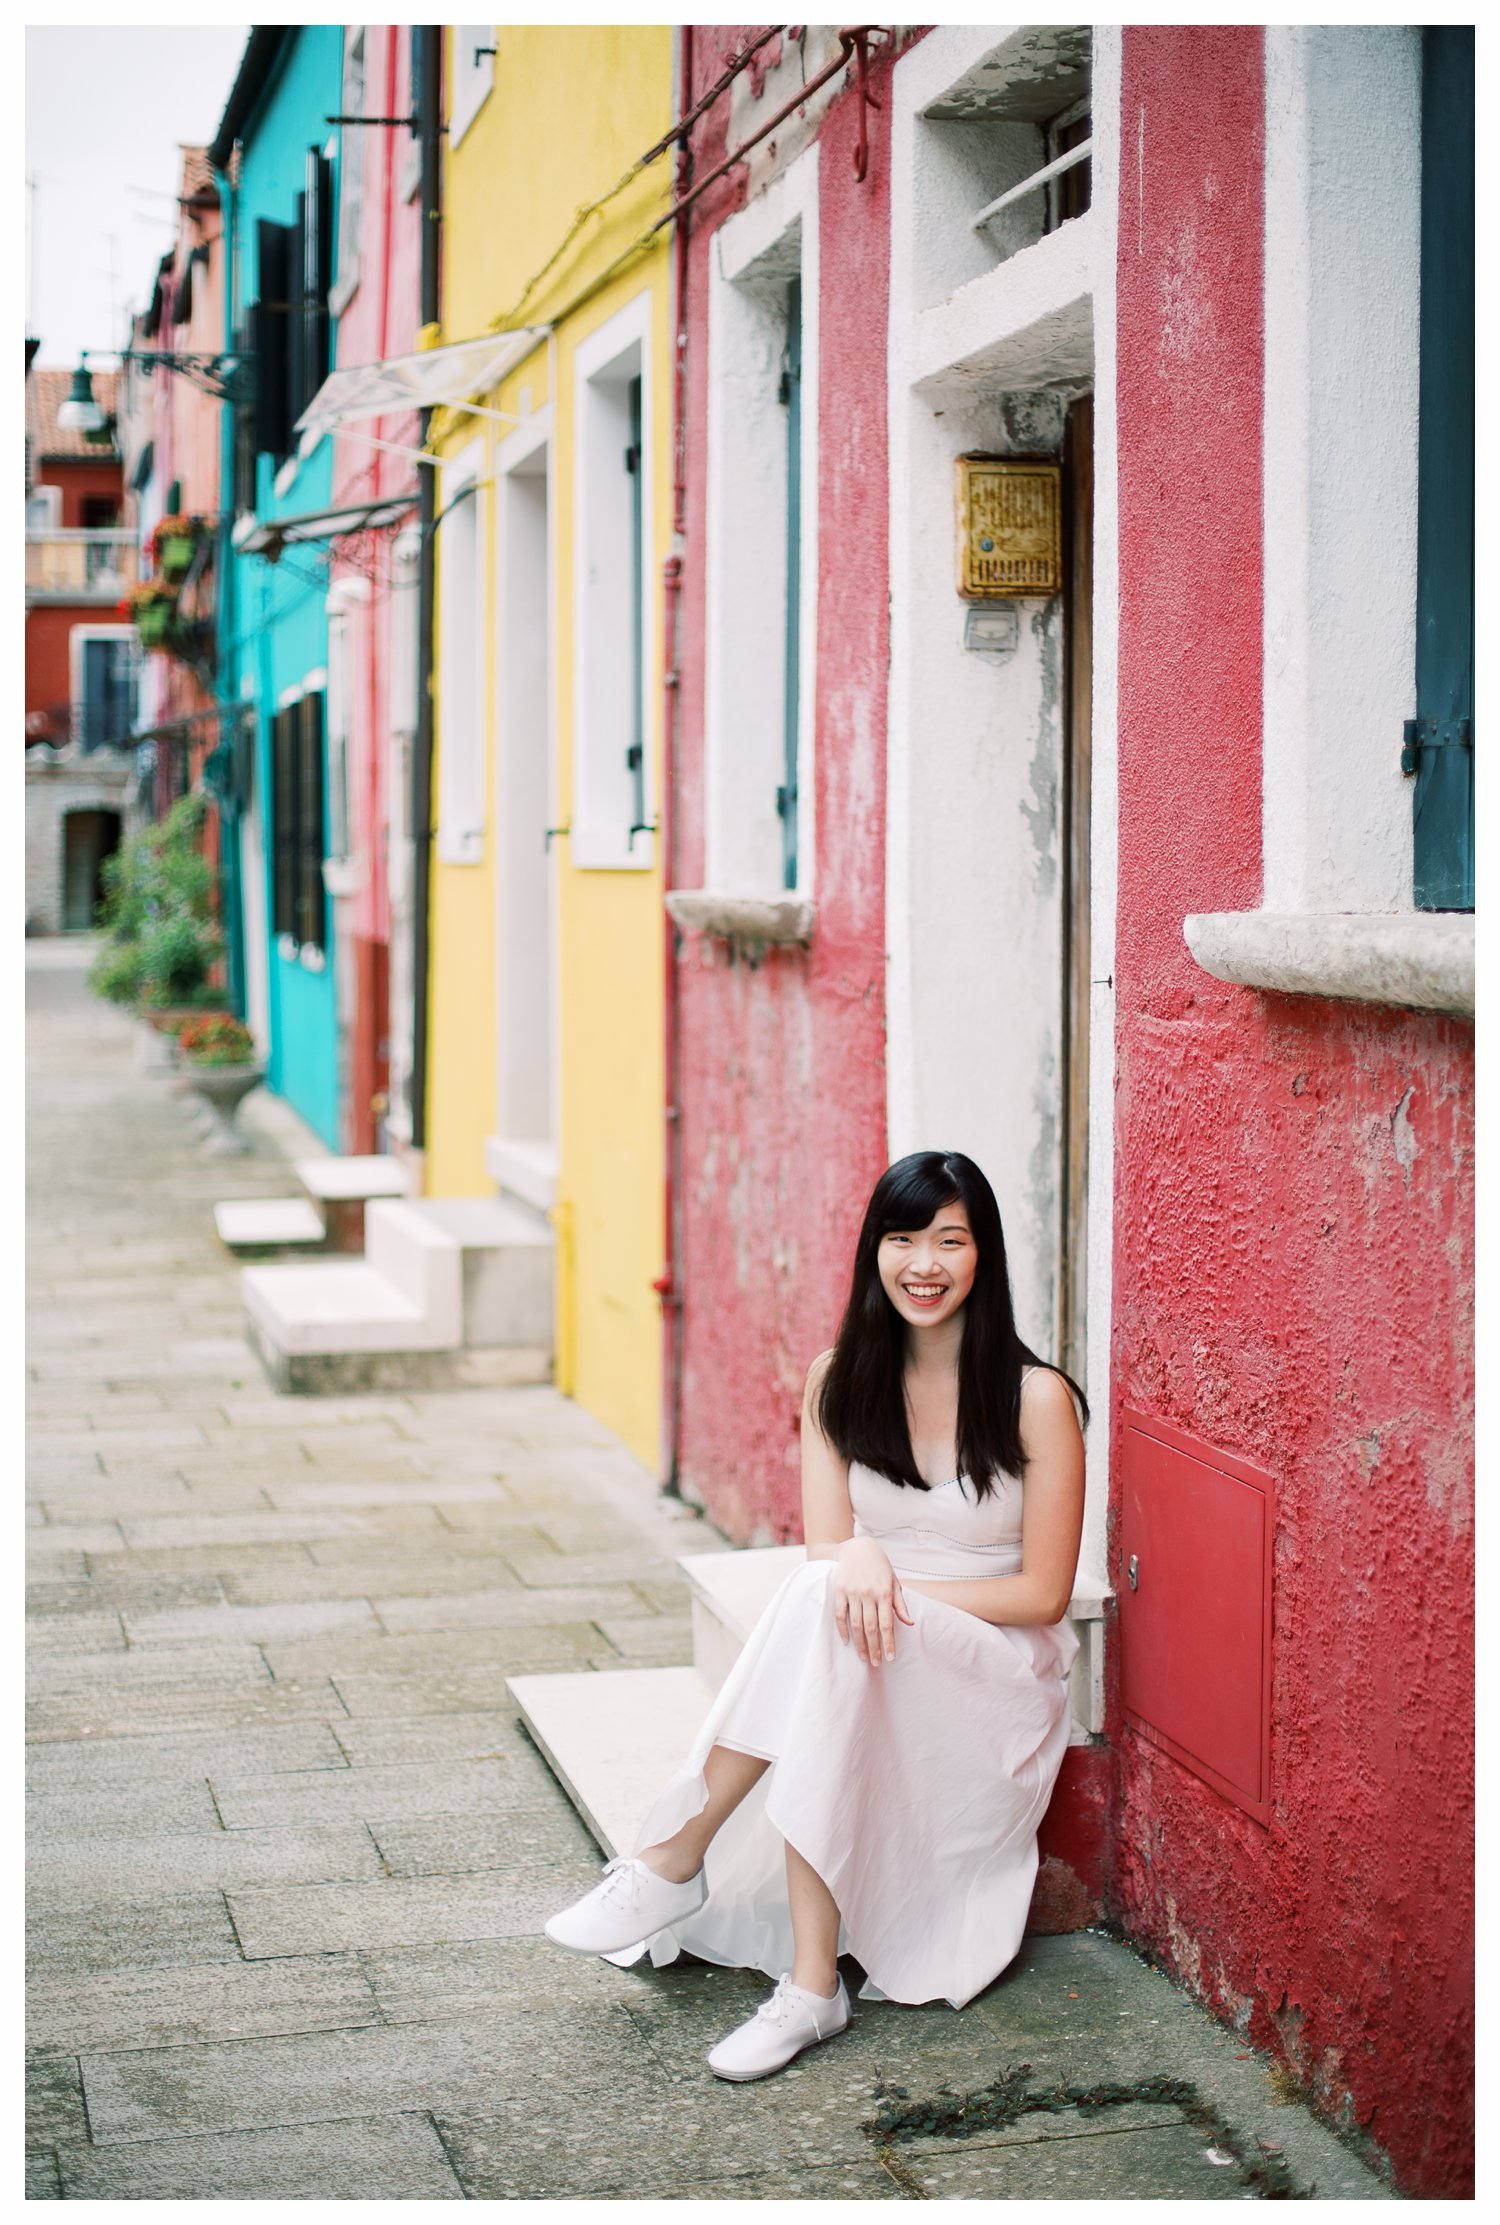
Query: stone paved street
x=290 y=1850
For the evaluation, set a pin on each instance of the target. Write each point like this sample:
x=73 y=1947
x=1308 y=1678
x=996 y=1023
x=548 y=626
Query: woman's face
x=927 y=1273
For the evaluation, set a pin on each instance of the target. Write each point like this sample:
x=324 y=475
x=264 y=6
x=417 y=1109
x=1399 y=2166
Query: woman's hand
x=868 y=1600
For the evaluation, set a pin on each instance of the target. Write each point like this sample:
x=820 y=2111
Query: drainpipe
x=670 y=1282
x=430 y=51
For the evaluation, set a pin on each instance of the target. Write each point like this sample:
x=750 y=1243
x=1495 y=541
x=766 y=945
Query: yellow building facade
x=546 y=955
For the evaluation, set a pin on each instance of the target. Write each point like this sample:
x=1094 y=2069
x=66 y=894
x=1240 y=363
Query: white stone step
x=335 y=1305
x=341 y=1189
x=359 y=1178
x=268 y=1223
x=611 y=1736
x=419 y=1258
x=729 y=1590
x=485 y=1264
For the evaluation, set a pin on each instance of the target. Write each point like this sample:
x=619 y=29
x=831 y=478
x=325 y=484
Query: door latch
x=1418 y=734
x=1133 y=1572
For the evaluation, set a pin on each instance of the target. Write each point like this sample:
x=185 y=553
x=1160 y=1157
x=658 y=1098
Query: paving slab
x=406 y=1911
x=151 y=1868
x=480 y=1734
x=397 y=2158
x=54 y=2101
x=447 y=1846
x=43 y=2180
x=423 y=1655
x=110 y=1813
x=401 y=1792
x=82 y=1939
x=257 y=1626
x=82 y=1764
x=200 y=2004
x=180 y=1707
x=321 y=2077
x=484 y=1977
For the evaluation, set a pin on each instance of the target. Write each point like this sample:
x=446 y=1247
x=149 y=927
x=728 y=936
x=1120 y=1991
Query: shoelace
x=781 y=2000
x=619 y=1883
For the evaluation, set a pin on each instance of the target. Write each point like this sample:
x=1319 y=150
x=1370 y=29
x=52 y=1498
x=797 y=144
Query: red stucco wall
x=1293 y=1264
x=783 y=1063
x=48 y=627
x=78 y=482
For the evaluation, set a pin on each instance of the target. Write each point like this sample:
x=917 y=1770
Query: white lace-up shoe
x=781 y=2028
x=628 y=1904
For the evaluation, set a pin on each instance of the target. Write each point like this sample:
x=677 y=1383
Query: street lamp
x=80 y=413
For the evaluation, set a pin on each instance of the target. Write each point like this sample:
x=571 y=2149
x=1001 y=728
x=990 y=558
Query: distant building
x=81 y=668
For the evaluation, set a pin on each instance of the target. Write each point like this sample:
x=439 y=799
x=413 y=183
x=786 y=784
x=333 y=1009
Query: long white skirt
x=914 y=1791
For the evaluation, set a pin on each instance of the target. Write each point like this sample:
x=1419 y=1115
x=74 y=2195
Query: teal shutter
x=635 y=755
x=1440 y=739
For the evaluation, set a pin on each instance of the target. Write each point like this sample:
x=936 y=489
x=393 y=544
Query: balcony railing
x=79 y=565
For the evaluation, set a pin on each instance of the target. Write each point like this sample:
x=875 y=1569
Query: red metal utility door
x=1194 y=1584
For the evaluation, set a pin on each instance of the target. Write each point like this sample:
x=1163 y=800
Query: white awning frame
x=433 y=378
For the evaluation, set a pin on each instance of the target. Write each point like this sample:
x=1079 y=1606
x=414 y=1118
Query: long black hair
x=861 y=1401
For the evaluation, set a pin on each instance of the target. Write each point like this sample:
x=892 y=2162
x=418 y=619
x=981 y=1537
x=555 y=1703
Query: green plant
x=216 y=1040
x=158 y=913
x=177 y=953
x=115 y=973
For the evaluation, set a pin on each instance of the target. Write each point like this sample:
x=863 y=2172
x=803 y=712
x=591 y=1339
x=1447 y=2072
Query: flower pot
x=175 y=556
x=223 y=1090
x=152 y=623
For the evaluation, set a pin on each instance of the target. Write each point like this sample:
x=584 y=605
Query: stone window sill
x=1420 y=959
x=743 y=919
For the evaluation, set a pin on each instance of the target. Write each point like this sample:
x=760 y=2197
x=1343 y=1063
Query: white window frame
x=472 y=80
x=351 y=169
x=600 y=841
x=745 y=752
x=77 y=636
x=1336 y=916
x=462 y=771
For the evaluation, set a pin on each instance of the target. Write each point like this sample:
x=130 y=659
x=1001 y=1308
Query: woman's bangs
x=917 y=1194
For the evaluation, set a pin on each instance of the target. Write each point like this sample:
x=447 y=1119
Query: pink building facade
x=372 y=583
x=1117 y=890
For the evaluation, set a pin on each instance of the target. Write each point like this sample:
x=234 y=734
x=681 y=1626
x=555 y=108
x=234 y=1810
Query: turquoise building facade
x=277 y=154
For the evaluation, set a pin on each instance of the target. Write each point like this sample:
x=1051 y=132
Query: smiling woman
x=900 y=1710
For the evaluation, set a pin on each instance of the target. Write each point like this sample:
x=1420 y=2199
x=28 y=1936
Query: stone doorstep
x=255 y=1227
x=457 y=1277
x=341 y=1189
x=498 y=1367
x=611 y=1737
x=730 y=1590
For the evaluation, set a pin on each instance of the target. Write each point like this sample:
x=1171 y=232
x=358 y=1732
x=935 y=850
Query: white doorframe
x=522 y=1155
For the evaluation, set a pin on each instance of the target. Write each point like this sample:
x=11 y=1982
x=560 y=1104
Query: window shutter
x=269 y=325
x=1440 y=740
x=311 y=896
x=96 y=688
x=296 y=346
x=317 y=271
x=284 y=814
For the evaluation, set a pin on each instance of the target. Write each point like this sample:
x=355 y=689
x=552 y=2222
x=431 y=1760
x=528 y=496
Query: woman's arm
x=1051 y=1519
x=867 y=1596
x=827 y=1515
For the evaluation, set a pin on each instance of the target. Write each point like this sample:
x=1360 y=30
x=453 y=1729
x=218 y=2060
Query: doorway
x=523 y=1156
x=89 y=837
